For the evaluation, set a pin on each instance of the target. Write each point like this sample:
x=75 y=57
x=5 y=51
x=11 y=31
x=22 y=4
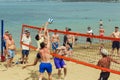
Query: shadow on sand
x=33 y=75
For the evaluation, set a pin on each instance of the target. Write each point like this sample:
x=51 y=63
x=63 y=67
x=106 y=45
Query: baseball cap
x=61 y=47
x=26 y=30
x=104 y=52
x=6 y=31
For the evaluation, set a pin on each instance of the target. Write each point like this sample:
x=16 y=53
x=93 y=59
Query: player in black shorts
x=105 y=62
x=116 y=44
x=88 y=39
x=104 y=75
x=38 y=57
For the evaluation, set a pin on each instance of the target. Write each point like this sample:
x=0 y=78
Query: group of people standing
x=43 y=54
x=90 y=32
x=44 y=41
x=115 y=34
x=106 y=59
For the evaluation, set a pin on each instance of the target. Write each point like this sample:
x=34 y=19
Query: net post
x=2 y=31
x=22 y=33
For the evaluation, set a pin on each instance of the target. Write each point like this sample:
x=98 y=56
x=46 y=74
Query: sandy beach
x=75 y=71
x=75 y=15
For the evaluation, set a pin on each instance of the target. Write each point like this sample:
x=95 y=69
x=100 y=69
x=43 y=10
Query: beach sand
x=74 y=71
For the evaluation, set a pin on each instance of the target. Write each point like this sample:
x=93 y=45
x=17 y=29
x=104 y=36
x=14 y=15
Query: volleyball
x=50 y=20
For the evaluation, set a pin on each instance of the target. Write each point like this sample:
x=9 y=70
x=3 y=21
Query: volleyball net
x=81 y=55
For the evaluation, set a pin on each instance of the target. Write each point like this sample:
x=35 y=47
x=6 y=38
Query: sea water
x=75 y=15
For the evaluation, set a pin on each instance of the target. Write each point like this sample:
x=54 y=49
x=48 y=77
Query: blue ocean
x=75 y=15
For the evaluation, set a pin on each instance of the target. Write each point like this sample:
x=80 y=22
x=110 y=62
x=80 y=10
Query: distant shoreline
x=61 y=0
x=91 y=1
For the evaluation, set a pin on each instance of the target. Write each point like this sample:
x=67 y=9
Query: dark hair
x=69 y=29
x=37 y=37
x=42 y=45
x=68 y=43
x=89 y=27
x=104 y=55
x=76 y=38
x=116 y=27
x=55 y=29
x=100 y=19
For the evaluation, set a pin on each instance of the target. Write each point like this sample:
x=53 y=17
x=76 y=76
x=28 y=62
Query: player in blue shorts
x=45 y=61
x=44 y=57
x=55 y=41
x=59 y=63
x=45 y=64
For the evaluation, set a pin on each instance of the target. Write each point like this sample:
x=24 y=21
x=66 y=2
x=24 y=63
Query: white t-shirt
x=27 y=41
x=39 y=41
x=90 y=32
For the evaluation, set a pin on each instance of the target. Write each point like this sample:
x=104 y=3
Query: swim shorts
x=45 y=66
x=59 y=63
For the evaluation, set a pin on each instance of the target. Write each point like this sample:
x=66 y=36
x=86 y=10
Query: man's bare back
x=45 y=54
x=105 y=62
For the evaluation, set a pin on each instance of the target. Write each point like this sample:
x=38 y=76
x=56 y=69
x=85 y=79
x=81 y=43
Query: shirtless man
x=45 y=64
x=70 y=39
x=59 y=63
x=44 y=56
x=65 y=37
x=105 y=62
x=69 y=50
x=55 y=41
x=10 y=47
x=116 y=44
x=5 y=37
x=45 y=61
